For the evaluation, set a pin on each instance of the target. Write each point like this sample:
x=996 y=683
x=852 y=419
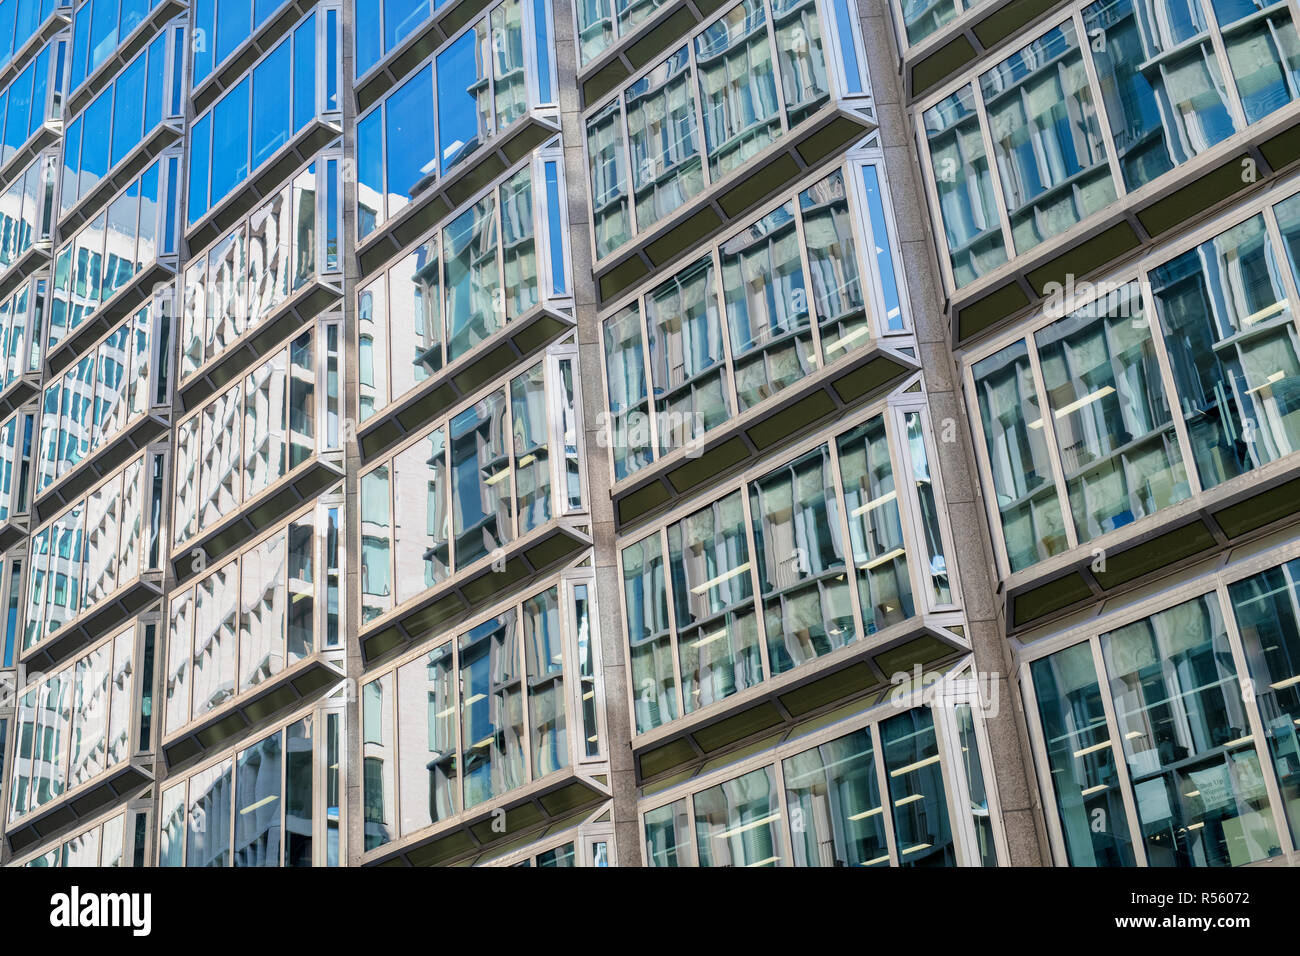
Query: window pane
x=492 y=715
x=481 y=480
x=427 y=756
x=258 y=804
x=833 y=793
x=645 y=597
x=667 y=836
x=464 y=99
x=737 y=87
x=916 y=789
x=408 y=122
x=738 y=823
x=666 y=170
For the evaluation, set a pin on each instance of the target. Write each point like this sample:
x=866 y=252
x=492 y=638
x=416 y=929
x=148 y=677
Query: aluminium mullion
x=1250 y=702
x=1052 y=449
x=673 y=636
x=882 y=793
x=1136 y=838
x=1098 y=104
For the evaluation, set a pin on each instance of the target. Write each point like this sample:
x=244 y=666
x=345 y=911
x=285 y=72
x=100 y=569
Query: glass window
x=1232 y=343
x=832 y=796
x=916 y=790
x=737 y=87
x=668 y=835
x=738 y=823
x=1186 y=736
x=665 y=152
x=1263 y=54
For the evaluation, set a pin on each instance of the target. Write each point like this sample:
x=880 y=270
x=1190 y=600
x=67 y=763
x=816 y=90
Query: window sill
x=129 y=299
x=550 y=800
x=447 y=193
x=89 y=626
x=21 y=390
x=1185 y=195
x=14 y=530
x=119 y=177
x=105 y=458
x=475 y=588
x=396 y=65
x=232 y=69
x=513 y=345
x=254 y=515
x=82 y=803
x=290 y=688
x=54 y=24
x=136 y=41
x=34 y=257
x=1239 y=510
x=747 y=437
x=815 y=141
x=857 y=676
x=266 y=179
x=316 y=297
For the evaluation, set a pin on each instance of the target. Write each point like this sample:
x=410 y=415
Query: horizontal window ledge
x=448 y=20
x=1238 y=510
x=269 y=178
x=119 y=177
x=859 y=673
x=86 y=801
x=18 y=393
x=54 y=24
x=648 y=41
x=545 y=804
x=446 y=193
x=246 y=711
x=132 y=297
x=1243 y=163
x=34 y=257
x=137 y=40
x=254 y=345
x=82 y=631
x=14 y=530
x=822 y=137
x=514 y=566
x=254 y=515
x=231 y=70
x=794 y=412
x=106 y=458
x=520 y=340
x=957 y=45
x=17 y=164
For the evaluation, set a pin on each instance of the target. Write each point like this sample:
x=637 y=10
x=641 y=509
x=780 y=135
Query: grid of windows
x=738 y=86
x=490 y=474
x=757 y=583
x=290 y=87
x=1165 y=384
x=1055 y=132
x=470 y=91
x=480 y=714
x=32 y=98
x=484 y=268
x=785 y=296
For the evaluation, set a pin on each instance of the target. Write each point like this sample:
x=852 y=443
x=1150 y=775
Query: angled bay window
x=1231 y=334
x=921 y=18
x=19 y=22
x=281 y=791
x=759 y=583
x=104 y=393
x=15 y=464
x=226 y=25
x=96 y=549
x=105 y=255
x=1154 y=746
x=1072 y=126
x=489 y=710
x=104 y=845
x=482 y=269
x=248 y=275
x=882 y=794
x=144 y=95
x=1160 y=386
x=262 y=613
x=33 y=98
x=286 y=90
x=78 y=724
x=278 y=418
x=98 y=28
x=26 y=209
x=22 y=326
x=602 y=23
x=490 y=474
x=744 y=81
x=785 y=296
x=476 y=86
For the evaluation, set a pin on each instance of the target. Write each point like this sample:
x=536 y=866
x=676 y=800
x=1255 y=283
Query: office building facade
x=709 y=349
